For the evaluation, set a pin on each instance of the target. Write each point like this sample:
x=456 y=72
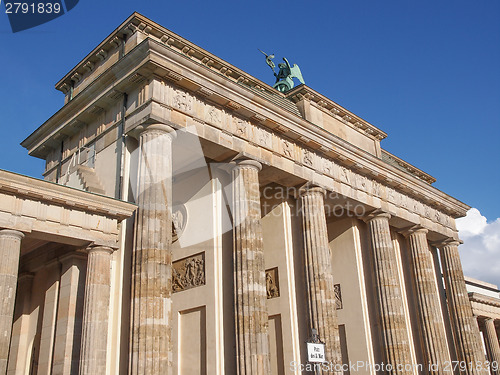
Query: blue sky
x=425 y=72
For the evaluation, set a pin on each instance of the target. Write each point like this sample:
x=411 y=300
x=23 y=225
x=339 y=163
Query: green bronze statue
x=285 y=75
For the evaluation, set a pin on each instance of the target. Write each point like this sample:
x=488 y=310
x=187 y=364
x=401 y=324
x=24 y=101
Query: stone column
x=465 y=330
x=151 y=305
x=68 y=337
x=431 y=323
x=20 y=340
x=47 y=334
x=251 y=318
x=492 y=344
x=96 y=311
x=322 y=314
x=10 y=249
x=395 y=340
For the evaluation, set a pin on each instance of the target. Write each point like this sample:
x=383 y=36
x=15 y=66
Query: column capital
x=246 y=163
x=25 y=276
x=447 y=242
x=311 y=189
x=78 y=254
x=153 y=128
x=99 y=249
x=414 y=229
x=11 y=233
x=377 y=214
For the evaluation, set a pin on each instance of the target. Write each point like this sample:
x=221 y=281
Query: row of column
x=95 y=316
x=396 y=342
x=491 y=340
x=151 y=311
x=250 y=287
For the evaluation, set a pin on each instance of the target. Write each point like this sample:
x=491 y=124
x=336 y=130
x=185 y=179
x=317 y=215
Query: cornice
x=87 y=103
x=303 y=92
x=44 y=191
x=407 y=167
x=139 y=23
x=481 y=298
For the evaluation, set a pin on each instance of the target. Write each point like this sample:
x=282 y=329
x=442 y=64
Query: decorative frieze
x=136 y=78
x=76 y=77
x=115 y=42
x=205 y=92
x=114 y=94
x=287 y=149
x=275 y=141
x=264 y=138
x=241 y=128
x=183 y=101
x=338 y=296
x=173 y=76
x=233 y=105
x=214 y=116
x=259 y=118
x=102 y=54
x=308 y=158
x=272 y=283
x=188 y=273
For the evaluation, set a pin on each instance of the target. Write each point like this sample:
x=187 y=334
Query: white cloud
x=480 y=252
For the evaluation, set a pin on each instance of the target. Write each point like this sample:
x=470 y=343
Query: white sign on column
x=315 y=352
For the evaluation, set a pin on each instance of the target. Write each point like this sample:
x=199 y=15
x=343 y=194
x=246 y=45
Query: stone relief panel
x=182 y=100
x=179 y=220
x=188 y=273
x=287 y=148
x=376 y=189
x=427 y=212
x=241 y=128
x=361 y=182
x=390 y=194
x=272 y=283
x=404 y=201
x=214 y=116
x=345 y=175
x=338 y=296
x=326 y=166
x=264 y=138
x=308 y=158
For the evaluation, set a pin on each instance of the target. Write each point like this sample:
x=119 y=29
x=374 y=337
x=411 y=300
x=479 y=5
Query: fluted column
x=151 y=305
x=66 y=358
x=96 y=311
x=431 y=323
x=395 y=340
x=10 y=249
x=322 y=314
x=465 y=330
x=21 y=338
x=251 y=318
x=492 y=344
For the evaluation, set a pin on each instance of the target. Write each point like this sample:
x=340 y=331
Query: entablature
x=155 y=63
x=52 y=212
